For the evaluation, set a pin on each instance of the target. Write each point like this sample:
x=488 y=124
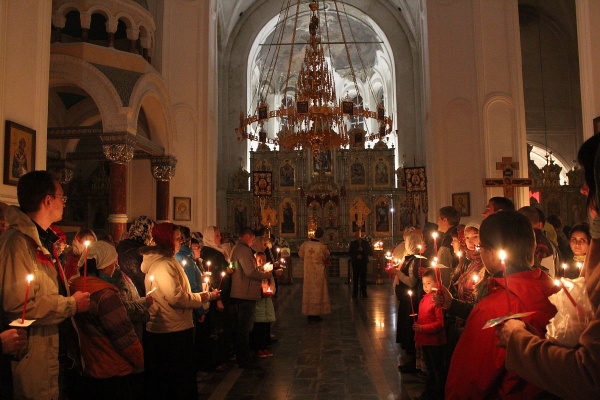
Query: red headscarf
x=163 y=235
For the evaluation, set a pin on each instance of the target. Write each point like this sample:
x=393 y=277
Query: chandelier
x=312 y=116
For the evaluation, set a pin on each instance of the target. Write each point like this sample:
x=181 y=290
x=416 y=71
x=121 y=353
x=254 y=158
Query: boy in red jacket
x=477 y=368
x=431 y=336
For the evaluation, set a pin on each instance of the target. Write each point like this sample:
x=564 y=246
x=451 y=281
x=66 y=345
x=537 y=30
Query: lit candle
x=420 y=253
x=434 y=235
x=29 y=279
x=86 y=244
x=559 y=283
x=208 y=265
x=475 y=278
x=564 y=270
x=278 y=250
x=411 y=306
x=183 y=263
x=206 y=284
x=579 y=265
x=222 y=276
x=502 y=258
x=459 y=255
x=151 y=281
x=437 y=272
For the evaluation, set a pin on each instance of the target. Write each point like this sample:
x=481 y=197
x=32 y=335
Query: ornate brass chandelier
x=311 y=116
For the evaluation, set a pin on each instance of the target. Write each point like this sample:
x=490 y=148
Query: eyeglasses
x=63 y=198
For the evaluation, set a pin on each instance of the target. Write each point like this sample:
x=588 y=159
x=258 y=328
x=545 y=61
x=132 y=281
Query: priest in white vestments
x=315 y=293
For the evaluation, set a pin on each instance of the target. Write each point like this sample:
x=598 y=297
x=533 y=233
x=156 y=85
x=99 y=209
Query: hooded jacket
x=173 y=298
x=109 y=345
x=477 y=367
x=22 y=253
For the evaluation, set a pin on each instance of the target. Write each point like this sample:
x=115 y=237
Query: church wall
x=24 y=64
x=588 y=20
x=474 y=60
x=142 y=186
x=188 y=64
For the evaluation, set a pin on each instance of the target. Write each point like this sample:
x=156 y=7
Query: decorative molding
x=163 y=168
x=119 y=153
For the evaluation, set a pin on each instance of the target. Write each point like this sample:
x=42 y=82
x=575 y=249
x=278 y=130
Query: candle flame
x=434 y=235
x=475 y=278
x=459 y=254
x=502 y=255
x=29 y=278
x=208 y=263
x=278 y=249
x=579 y=265
x=434 y=263
x=206 y=280
x=410 y=292
x=557 y=282
x=151 y=278
x=564 y=265
x=223 y=274
x=86 y=243
x=183 y=262
x=419 y=246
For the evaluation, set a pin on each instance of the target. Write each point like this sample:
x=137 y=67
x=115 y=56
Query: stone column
x=59 y=22
x=111 y=28
x=163 y=170
x=133 y=34
x=86 y=21
x=119 y=154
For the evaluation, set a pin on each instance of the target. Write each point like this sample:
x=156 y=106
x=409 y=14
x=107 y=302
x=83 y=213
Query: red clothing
x=71 y=264
x=477 y=368
x=109 y=345
x=431 y=318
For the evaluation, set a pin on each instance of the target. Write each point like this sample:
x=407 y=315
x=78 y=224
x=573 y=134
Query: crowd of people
x=139 y=318
x=450 y=286
x=129 y=320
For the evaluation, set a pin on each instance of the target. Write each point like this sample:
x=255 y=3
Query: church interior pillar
x=163 y=170
x=120 y=153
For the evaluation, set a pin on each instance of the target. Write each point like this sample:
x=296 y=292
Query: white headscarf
x=412 y=243
x=208 y=238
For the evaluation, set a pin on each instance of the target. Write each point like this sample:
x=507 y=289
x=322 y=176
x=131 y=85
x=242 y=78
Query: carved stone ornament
x=118 y=153
x=163 y=168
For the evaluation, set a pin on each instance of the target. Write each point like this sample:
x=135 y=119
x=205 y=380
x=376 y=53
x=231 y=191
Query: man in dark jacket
x=360 y=250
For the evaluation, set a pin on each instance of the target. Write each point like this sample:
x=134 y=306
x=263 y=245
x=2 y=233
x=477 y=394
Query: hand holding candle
x=29 y=279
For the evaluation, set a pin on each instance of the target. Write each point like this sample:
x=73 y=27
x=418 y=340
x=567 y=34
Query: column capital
x=63 y=169
x=163 y=168
x=118 y=147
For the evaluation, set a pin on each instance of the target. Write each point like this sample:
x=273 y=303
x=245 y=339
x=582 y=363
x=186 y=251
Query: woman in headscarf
x=579 y=241
x=140 y=234
x=212 y=252
x=110 y=349
x=169 y=338
x=408 y=279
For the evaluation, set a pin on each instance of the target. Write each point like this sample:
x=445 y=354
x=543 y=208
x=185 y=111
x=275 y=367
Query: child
x=265 y=314
x=431 y=336
x=477 y=368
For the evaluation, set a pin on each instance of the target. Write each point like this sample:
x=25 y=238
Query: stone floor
x=351 y=354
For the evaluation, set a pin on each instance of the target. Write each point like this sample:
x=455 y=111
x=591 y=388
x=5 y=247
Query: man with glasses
x=27 y=247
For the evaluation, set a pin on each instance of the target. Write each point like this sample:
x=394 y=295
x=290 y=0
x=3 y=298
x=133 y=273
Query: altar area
x=339 y=190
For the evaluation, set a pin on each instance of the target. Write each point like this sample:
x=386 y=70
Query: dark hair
x=83 y=232
x=555 y=221
x=247 y=231
x=185 y=235
x=194 y=241
x=510 y=231
x=585 y=228
x=319 y=233
x=502 y=203
x=430 y=273
x=541 y=215
x=451 y=214
x=586 y=156
x=531 y=213
x=32 y=189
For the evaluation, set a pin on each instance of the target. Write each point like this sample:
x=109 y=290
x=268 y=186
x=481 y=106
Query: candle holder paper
x=17 y=323
x=495 y=321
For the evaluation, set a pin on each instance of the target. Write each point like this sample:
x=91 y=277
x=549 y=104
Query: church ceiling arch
x=150 y=93
x=70 y=71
